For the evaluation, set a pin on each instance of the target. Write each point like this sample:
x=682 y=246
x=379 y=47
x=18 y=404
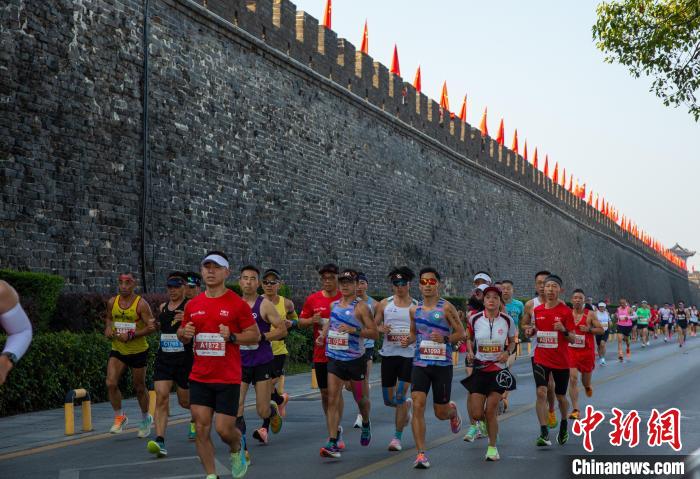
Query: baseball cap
x=272 y=272
x=348 y=275
x=483 y=277
x=492 y=288
x=602 y=304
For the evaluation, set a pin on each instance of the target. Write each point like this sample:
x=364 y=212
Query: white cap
x=602 y=304
x=482 y=287
x=484 y=277
x=215 y=258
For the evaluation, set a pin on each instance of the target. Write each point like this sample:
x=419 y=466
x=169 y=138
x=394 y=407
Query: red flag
x=525 y=150
x=444 y=101
x=583 y=192
x=395 y=63
x=327 y=15
x=546 y=165
x=463 y=112
x=534 y=160
x=590 y=196
x=365 y=41
x=555 y=175
x=514 y=146
x=483 y=126
x=499 y=137
x=416 y=80
x=597 y=204
x=563 y=179
x=571 y=182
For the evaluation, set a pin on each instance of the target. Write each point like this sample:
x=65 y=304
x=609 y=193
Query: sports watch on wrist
x=12 y=357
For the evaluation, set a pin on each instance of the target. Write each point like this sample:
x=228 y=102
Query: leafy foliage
x=38 y=292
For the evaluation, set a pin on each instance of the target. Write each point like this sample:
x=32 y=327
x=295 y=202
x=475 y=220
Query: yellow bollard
x=455 y=358
x=69 y=410
x=529 y=348
x=314 y=382
x=151 y=402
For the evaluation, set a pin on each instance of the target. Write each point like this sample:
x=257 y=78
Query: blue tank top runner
x=428 y=352
x=344 y=346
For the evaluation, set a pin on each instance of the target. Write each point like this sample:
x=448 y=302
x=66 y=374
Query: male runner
x=129 y=320
x=316 y=312
x=362 y=286
x=272 y=279
x=666 y=320
x=218 y=321
x=350 y=322
x=435 y=327
x=643 y=318
x=393 y=319
x=515 y=309
x=582 y=350
x=603 y=318
x=257 y=359
x=16 y=324
x=654 y=321
x=173 y=362
x=194 y=284
x=681 y=314
x=526 y=320
x=693 y=320
x=553 y=326
x=624 y=328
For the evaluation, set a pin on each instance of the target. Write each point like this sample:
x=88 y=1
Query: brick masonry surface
x=274 y=141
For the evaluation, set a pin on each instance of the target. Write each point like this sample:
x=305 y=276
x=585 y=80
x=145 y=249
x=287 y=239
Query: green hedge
x=38 y=292
x=236 y=288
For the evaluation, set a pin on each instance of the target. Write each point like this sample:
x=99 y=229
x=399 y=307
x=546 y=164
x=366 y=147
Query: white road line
x=75 y=473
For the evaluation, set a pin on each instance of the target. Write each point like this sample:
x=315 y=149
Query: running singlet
x=515 y=310
x=170 y=346
x=680 y=315
x=261 y=353
x=643 y=315
x=344 y=346
x=318 y=303
x=583 y=341
x=279 y=346
x=603 y=319
x=552 y=350
x=490 y=339
x=624 y=316
x=372 y=304
x=535 y=302
x=429 y=352
x=665 y=314
x=125 y=320
x=217 y=360
x=399 y=319
x=693 y=316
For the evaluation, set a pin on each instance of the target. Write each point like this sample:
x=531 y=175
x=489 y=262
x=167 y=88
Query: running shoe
x=574 y=414
x=563 y=436
x=192 y=433
x=552 y=420
x=492 y=454
x=239 y=465
x=244 y=446
x=120 y=423
x=358 y=422
x=157 y=448
x=340 y=442
x=145 y=427
x=421 y=461
x=395 y=445
x=261 y=435
x=620 y=359
x=589 y=391
x=628 y=351
x=366 y=436
x=543 y=441
x=602 y=361
x=456 y=420
x=282 y=408
x=665 y=339
x=409 y=411
x=644 y=345
x=472 y=432
x=483 y=429
x=212 y=476
x=275 y=419
x=330 y=450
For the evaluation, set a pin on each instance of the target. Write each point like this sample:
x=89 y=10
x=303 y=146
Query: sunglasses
x=428 y=281
x=399 y=282
x=270 y=282
x=174 y=284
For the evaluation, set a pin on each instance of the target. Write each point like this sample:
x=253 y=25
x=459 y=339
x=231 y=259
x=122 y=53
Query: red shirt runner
x=552 y=346
x=216 y=360
x=581 y=351
x=318 y=303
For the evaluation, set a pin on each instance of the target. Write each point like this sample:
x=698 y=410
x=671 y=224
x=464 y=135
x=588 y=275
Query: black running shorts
x=542 y=373
x=278 y=365
x=133 y=361
x=353 y=370
x=396 y=368
x=439 y=378
x=253 y=374
x=222 y=398
x=173 y=369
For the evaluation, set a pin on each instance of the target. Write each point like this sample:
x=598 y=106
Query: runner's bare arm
x=270 y=314
x=289 y=307
x=379 y=316
x=412 y=335
x=369 y=328
x=526 y=320
x=452 y=317
x=250 y=335
x=594 y=325
x=144 y=311
x=109 y=332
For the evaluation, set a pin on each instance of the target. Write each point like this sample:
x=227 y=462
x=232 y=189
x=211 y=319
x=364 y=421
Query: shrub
x=38 y=292
x=236 y=288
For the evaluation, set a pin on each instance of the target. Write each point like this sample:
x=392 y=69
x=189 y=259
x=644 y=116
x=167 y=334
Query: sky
x=535 y=65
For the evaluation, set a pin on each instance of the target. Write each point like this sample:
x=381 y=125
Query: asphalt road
x=661 y=377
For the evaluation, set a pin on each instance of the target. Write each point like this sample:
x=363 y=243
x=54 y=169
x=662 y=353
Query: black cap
x=273 y=272
x=348 y=275
x=362 y=277
x=193 y=279
x=404 y=272
x=328 y=268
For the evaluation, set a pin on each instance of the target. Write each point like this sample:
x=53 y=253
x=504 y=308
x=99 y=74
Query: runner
x=219 y=321
x=666 y=320
x=393 y=319
x=601 y=340
x=681 y=314
x=624 y=328
x=435 y=327
x=526 y=320
x=481 y=281
x=362 y=285
x=633 y=317
x=553 y=326
x=257 y=359
x=693 y=320
x=316 y=312
x=272 y=280
x=514 y=309
x=16 y=324
x=173 y=362
x=349 y=323
x=129 y=320
x=582 y=350
x=493 y=334
x=643 y=318
x=654 y=321
x=194 y=284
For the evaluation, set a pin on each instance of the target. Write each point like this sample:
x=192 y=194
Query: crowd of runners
x=215 y=345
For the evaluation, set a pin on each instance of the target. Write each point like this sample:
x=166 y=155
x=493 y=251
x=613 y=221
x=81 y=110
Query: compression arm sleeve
x=19 y=331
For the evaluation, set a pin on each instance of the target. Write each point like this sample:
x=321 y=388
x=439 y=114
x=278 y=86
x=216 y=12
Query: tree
x=656 y=38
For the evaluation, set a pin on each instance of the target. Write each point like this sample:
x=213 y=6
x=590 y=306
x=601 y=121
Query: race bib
x=170 y=344
x=579 y=341
x=489 y=349
x=249 y=347
x=432 y=351
x=209 y=344
x=547 y=339
x=338 y=341
x=120 y=327
x=397 y=334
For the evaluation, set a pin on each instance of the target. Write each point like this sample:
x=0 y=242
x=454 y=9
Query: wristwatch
x=446 y=339
x=12 y=357
x=232 y=338
x=566 y=333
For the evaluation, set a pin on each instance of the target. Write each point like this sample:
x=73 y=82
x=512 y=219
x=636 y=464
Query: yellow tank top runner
x=278 y=347
x=125 y=320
